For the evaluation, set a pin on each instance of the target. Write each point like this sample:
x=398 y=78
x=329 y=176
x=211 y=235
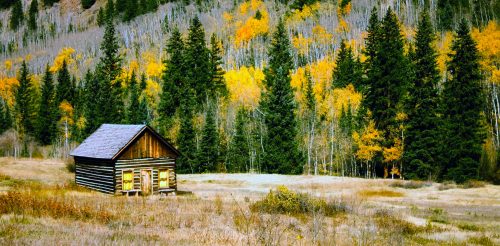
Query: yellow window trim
x=128 y=179
x=163 y=178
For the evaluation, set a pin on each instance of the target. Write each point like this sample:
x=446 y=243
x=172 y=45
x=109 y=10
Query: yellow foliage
x=252 y=28
x=66 y=112
x=393 y=153
x=65 y=54
x=345 y=10
x=7 y=86
x=321 y=35
x=488 y=44
x=8 y=65
x=301 y=44
x=368 y=142
x=227 y=17
x=344 y=96
x=444 y=48
x=244 y=8
x=306 y=12
x=245 y=85
x=255 y=4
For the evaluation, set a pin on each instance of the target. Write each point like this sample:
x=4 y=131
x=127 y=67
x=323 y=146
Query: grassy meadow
x=40 y=204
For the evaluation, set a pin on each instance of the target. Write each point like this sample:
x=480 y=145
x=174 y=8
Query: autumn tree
x=26 y=102
x=423 y=138
x=282 y=154
x=46 y=124
x=463 y=103
x=368 y=145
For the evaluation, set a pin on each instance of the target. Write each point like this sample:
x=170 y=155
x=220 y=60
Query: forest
x=392 y=89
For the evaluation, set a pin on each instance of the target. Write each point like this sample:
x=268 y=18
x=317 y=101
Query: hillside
x=342 y=107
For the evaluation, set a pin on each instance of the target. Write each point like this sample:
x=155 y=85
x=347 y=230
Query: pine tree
x=186 y=138
x=217 y=86
x=131 y=10
x=16 y=15
x=65 y=90
x=32 y=15
x=133 y=112
x=173 y=80
x=208 y=155
x=3 y=116
x=110 y=10
x=445 y=14
x=463 y=103
x=422 y=135
x=348 y=70
x=91 y=107
x=101 y=17
x=372 y=40
x=143 y=105
x=387 y=75
x=47 y=111
x=26 y=102
x=109 y=67
x=281 y=150
x=239 y=149
x=198 y=63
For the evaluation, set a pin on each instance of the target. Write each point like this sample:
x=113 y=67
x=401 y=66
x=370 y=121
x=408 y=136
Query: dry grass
x=379 y=193
x=37 y=211
x=410 y=184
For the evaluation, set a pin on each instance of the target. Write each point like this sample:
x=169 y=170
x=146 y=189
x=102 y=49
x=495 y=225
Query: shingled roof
x=107 y=141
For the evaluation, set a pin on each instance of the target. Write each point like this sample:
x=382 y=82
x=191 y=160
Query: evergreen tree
x=110 y=10
x=143 y=105
x=186 y=138
x=348 y=70
x=91 y=107
x=65 y=90
x=387 y=75
x=197 y=60
x=217 y=86
x=32 y=15
x=134 y=114
x=121 y=6
x=26 y=102
x=173 y=80
x=463 y=103
x=372 y=41
x=239 y=150
x=16 y=15
x=131 y=10
x=101 y=17
x=5 y=120
x=208 y=155
x=47 y=111
x=281 y=150
x=109 y=67
x=422 y=135
x=445 y=14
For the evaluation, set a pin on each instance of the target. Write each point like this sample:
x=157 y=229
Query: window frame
x=123 y=179
x=167 y=179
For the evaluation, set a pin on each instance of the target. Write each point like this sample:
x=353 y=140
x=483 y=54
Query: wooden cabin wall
x=149 y=164
x=95 y=174
x=146 y=146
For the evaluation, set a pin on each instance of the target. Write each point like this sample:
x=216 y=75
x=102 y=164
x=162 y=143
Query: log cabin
x=126 y=159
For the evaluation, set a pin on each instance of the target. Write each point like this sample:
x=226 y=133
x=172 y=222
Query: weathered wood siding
x=95 y=174
x=137 y=165
x=146 y=146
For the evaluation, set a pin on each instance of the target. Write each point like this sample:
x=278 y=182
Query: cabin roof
x=110 y=140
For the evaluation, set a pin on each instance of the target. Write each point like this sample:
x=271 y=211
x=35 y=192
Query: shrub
x=384 y=219
x=284 y=201
x=438 y=215
x=410 y=184
x=70 y=165
x=446 y=185
x=386 y=193
x=469 y=184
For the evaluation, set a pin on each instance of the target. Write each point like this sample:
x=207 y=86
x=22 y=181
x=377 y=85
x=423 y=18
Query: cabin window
x=128 y=180
x=163 y=178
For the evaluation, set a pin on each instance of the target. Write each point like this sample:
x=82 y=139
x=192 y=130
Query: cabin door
x=146 y=182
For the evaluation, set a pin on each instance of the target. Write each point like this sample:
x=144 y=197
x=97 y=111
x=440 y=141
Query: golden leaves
x=256 y=23
x=245 y=85
x=488 y=44
x=306 y=12
x=368 y=142
x=65 y=54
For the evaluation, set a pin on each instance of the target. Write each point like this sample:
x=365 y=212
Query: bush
x=446 y=185
x=386 y=193
x=70 y=165
x=284 y=201
x=469 y=184
x=410 y=184
x=438 y=215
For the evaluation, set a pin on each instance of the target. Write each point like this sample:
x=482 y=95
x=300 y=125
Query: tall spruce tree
x=110 y=10
x=65 y=90
x=134 y=115
x=463 y=103
x=174 y=80
x=238 y=159
x=348 y=70
x=32 y=15
x=282 y=154
x=207 y=154
x=109 y=67
x=186 y=139
x=91 y=107
x=5 y=119
x=46 y=124
x=422 y=151
x=143 y=104
x=387 y=75
x=26 y=100
x=16 y=15
x=217 y=86
x=197 y=60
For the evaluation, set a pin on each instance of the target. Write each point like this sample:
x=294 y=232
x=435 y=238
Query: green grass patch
x=380 y=193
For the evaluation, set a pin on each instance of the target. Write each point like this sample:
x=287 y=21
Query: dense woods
x=403 y=90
